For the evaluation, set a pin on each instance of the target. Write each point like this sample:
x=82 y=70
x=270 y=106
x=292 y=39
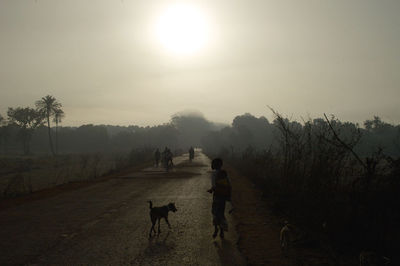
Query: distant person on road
x=157 y=156
x=221 y=189
x=191 y=153
x=166 y=158
x=169 y=158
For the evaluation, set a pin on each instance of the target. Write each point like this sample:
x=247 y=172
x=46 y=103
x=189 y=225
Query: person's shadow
x=226 y=252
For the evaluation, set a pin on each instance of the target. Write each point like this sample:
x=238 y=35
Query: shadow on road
x=156 y=252
x=225 y=249
x=159 y=245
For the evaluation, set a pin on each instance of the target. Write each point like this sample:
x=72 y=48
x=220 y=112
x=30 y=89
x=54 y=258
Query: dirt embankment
x=259 y=230
x=56 y=190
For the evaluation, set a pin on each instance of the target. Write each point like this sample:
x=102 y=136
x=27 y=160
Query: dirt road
x=108 y=223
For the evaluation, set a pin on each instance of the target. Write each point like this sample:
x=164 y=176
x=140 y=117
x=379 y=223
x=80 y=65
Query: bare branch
x=344 y=144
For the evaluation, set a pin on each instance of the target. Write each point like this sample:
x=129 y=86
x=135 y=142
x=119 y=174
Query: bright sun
x=182 y=29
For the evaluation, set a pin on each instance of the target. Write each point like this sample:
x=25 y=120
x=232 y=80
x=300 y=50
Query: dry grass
x=54 y=191
x=259 y=229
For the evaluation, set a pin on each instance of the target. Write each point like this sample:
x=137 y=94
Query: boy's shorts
x=218 y=211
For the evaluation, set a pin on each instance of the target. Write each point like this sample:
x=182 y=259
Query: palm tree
x=58 y=116
x=48 y=105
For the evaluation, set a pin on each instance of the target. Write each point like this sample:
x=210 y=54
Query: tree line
x=35 y=134
x=329 y=177
x=248 y=132
x=36 y=130
x=22 y=122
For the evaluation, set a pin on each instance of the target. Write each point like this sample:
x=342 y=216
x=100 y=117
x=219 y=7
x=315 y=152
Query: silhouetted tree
x=48 y=105
x=58 y=116
x=3 y=132
x=27 y=119
x=192 y=126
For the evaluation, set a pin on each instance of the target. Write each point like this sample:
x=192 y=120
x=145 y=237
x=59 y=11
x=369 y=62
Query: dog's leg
x=151 y=229
x=159 y=231
x=153 y=223
x=221 y=232
x=166 y=219
x=215 y=231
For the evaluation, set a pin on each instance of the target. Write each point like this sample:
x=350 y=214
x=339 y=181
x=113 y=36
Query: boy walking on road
x=221 y=189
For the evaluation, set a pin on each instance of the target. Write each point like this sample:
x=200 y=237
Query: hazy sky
x=104 y=62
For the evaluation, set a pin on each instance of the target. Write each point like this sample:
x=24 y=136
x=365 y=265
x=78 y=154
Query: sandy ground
x=107 y=223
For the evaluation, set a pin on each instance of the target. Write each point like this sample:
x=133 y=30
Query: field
x=21 y=175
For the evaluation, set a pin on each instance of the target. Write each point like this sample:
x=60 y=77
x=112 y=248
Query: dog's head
x=171 y=207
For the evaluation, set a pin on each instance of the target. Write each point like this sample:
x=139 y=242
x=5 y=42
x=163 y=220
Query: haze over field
x=126 y=62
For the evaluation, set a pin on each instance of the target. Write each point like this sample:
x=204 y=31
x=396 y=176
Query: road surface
x=108 y=223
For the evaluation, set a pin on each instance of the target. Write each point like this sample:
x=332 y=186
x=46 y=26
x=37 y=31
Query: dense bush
x=325 y=175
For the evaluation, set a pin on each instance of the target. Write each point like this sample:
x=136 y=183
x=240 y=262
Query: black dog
x=156 y=213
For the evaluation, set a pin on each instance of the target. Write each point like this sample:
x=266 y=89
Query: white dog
x=286 y=237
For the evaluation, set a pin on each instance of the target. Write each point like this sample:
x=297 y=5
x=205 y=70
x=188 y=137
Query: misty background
x=192 y=128
x=102 y=61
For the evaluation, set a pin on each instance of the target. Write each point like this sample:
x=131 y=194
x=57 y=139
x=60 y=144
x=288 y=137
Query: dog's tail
x=151 y=204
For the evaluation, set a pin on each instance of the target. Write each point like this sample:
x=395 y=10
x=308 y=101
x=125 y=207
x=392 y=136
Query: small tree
x=48 y=105
x=27 y=119
x=58 y=116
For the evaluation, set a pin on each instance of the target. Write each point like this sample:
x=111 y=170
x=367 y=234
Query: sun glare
x=182 y=29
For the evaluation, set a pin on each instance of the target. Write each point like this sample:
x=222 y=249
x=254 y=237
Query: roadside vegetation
x=336 y=181
x=20 y=175
x=37 y=153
